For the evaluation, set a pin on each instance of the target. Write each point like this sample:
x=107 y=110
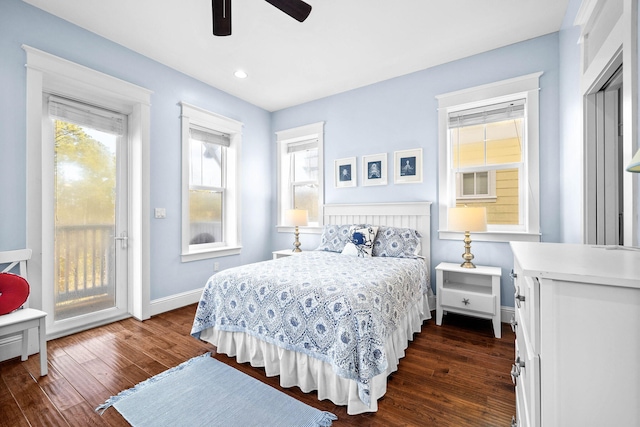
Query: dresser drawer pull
x=514 y=423
x=466 y=301
x=516 y=369
x=513 y=323
x=519 y=298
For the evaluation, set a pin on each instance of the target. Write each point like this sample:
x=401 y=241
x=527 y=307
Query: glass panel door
x=88 y=241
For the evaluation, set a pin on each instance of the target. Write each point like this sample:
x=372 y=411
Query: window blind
x=210 y=136
x=86 y=115
x=487 y=114
x=302 y=146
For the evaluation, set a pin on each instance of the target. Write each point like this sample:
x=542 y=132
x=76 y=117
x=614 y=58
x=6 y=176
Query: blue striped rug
x=205 y=392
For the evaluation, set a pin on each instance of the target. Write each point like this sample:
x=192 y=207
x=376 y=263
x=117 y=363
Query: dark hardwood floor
x=456 y=374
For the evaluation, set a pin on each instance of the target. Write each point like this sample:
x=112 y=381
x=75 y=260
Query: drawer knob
x=513 y=323
x=466 y=301
x=516 y=369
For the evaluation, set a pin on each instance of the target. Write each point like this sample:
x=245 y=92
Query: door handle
x=123 y=239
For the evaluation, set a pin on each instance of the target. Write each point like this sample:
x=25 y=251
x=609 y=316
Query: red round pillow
x=14 y=291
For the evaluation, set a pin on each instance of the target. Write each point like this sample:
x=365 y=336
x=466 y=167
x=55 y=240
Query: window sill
x=301 y=230
x=478 y=199
x=211 y=253
x=492 y=236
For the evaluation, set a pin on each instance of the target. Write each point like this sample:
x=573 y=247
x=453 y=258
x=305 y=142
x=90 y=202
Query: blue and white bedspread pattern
x=333 y=307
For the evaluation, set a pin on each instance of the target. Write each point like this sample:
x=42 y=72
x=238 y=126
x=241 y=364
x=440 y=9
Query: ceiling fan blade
x=297 y=9
x=221 y=11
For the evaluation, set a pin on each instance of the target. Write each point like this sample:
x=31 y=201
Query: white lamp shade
x=634 y=166
x=467 y=219
x=299 y=217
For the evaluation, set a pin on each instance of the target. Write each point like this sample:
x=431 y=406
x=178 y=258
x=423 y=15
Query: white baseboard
x=11 y=346
x=162 y=305
x=506 y=313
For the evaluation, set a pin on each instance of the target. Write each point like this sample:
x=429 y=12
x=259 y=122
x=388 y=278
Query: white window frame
x=48 y=73
x=283 y=139
x=193 y=116
x=525 y=87
x=490 y=196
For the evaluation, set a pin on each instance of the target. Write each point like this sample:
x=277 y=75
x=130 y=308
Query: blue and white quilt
x=333 y=307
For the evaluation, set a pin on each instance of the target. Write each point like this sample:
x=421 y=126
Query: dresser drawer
x=465 y=300
x=527 y=291
x=525 y=373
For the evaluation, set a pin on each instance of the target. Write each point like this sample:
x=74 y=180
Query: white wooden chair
x=24 y=318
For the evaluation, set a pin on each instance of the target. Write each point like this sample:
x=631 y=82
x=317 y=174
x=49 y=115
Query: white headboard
x=416 y=215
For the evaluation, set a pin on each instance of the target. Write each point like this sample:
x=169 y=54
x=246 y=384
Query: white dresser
x=577 y=324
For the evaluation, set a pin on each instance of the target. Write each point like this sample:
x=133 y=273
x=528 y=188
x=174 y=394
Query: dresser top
x=609 y=265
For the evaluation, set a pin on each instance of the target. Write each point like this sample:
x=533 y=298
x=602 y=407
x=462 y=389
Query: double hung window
x=489 y=156
x=210 y=209
x=300 y=170
x=486 y=156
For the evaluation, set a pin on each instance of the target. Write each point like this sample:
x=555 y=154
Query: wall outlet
x=160 y=213
x=216 y=266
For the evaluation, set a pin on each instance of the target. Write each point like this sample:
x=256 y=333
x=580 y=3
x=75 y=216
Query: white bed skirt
x=309 y=373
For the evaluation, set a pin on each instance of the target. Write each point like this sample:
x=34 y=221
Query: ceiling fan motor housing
x=221 y=11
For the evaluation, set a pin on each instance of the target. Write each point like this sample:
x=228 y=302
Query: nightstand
x=283 y=253
x=470 y=291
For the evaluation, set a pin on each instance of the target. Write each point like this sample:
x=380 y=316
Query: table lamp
x=467 y=219
x=296 y=217
x=634 y=166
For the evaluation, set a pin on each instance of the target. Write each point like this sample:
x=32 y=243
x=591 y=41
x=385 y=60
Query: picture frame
x=345 y=172
x=374 y=169
x=407 y=165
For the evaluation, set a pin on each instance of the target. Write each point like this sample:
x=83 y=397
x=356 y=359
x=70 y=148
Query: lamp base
x=467 y=256
x=296 y=243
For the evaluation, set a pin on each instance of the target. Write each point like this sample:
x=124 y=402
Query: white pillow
x=360 y=241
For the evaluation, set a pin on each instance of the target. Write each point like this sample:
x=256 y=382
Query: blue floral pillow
x=335 y=237
x=397 y=242
x=361 y=241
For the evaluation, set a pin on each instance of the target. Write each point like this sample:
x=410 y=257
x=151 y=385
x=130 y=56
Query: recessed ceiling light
x=240 y=74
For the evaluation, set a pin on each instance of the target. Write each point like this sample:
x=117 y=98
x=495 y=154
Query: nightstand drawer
x=469 y=301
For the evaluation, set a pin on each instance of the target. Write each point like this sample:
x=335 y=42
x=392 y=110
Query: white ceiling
x=344 y=44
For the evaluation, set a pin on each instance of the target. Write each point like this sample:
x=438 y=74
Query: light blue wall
x=396 y=114
x=570 y=128
x=23 y=24
x=401 y=113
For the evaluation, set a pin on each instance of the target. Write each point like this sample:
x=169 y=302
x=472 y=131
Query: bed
x=335 y=319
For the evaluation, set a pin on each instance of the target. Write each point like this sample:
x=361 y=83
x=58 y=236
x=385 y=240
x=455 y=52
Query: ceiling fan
x=297 y=9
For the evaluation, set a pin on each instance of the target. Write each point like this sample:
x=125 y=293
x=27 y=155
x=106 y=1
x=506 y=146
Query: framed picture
x=374 y=169
x=345 y=172
x=407 y=166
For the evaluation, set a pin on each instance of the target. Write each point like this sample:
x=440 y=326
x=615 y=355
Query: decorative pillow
x=397 y=242
x=14 y=291
x=360 y=241
x=335 y=237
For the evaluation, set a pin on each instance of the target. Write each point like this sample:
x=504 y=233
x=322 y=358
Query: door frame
x=619 y=45
x=601 y=179
x=49 y=73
